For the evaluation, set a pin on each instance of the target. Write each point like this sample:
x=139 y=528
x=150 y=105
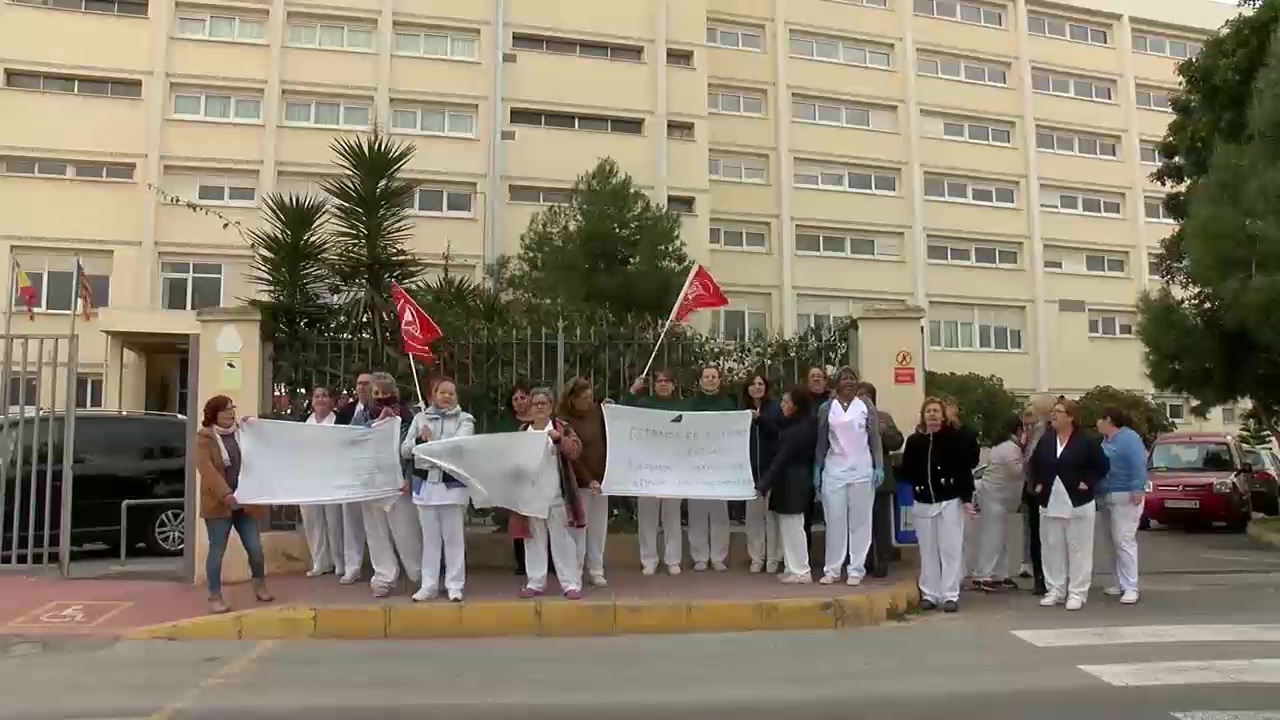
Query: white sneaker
x=771 y=568
x=1049 y=600
x=719 y=566
x=598 y=580
x=673 y=569
x=423 y=595
x=699 y=567
x=1074 y=603
x=646 y=570
x=317 y=572
x=853 y=581
x=829 y=580
x=1130 y=597
x=455 y=596
x=789 y=579
x=757 y=567
x=1024 y=570
x=381 y=592
x=350 y=578
x=1113 y=591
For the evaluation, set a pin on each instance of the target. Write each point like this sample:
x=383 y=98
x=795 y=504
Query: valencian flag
x=700 y=293
x=417 y=329
x=84 y=291
x=26 y=291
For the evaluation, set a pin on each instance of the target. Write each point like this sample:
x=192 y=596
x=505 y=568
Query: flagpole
x=667 y=325
x=416 y=383
x=13 y=291
x=75 y=296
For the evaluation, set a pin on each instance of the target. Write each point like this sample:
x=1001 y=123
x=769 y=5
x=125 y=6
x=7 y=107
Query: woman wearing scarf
x=218 y=464
x=579 y=409
x=762 y=524
x=565 y=515
x=392 y=533
x=322 y=524
x=709 y=519
x=652 y=512
x=788 y=482
x=515 y=416
x=441 y=500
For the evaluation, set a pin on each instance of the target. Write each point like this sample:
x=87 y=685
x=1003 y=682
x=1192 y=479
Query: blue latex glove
x=878 y=475
x=817 y=482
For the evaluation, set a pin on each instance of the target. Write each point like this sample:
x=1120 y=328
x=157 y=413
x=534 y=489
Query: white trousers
x=353 y=538
x=940 y=533
x=322 y=524
x=650 y=513
x=1066 y=550
x=394 y=536
x=795 y=546
x=709 y=530
x=996 y=509
x=1120 y=519
x=443 y=537
x=762 y=532
x=847 y=512
x=591 y=553
x=564 y=551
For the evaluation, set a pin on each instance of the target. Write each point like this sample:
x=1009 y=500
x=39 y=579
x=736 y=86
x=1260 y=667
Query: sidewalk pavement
x=708 y=602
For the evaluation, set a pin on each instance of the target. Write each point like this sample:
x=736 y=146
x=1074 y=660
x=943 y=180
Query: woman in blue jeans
x=218 y=463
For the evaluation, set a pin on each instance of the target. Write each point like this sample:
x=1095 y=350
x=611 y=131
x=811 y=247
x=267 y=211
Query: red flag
x=417 y=329
x=700 y=293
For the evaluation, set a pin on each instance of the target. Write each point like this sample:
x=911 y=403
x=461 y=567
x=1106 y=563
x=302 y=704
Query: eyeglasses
x=539 y=403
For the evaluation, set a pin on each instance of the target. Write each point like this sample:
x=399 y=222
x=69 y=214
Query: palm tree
x=372 y=224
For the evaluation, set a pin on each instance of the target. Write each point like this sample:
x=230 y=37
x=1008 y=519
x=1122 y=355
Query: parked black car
x=118 y=456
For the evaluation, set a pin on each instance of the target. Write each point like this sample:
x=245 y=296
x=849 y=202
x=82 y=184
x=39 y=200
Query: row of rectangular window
x=80 y=169
x=133 y=8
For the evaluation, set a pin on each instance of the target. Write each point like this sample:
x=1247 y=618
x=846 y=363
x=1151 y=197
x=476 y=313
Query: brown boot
x=216 y=604
x=260 y=591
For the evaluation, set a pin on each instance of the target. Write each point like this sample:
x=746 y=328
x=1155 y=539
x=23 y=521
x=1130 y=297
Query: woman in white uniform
x=440 y=498
x=322 y=524
x=998 y=494
x=849 y=464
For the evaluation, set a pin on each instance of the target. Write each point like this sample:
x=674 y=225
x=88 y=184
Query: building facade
x=986 y=160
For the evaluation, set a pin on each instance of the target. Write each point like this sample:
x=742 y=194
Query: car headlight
x=1224 y=486
x=1147 y=487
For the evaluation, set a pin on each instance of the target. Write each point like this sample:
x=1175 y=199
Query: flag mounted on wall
x=26 y=291
x=84 y=291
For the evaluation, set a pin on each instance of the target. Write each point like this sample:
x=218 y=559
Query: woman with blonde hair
x=578 y=408
x=1035 y=421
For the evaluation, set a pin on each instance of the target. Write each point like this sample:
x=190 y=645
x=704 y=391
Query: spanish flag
x=26 y=291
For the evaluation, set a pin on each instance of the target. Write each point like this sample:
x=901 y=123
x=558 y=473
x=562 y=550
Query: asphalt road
x=1149 y=661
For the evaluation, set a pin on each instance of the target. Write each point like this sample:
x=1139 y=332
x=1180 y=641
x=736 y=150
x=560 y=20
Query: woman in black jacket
x=762 y=525
x=788 y=482
x=1066 y=465
x=936 y=461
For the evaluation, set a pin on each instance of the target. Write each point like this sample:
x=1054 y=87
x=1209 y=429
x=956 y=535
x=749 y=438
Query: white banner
x=513 y=470
x=293 y=463
x=695 y=455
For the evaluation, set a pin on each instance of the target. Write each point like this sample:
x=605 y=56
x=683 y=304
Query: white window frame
x=1081 y=198
x=343 y=105
x=527 y=42
x=226 y=183
x=1153 y=260
x=82 y=6
x=879 y=4
x=1154 y=148
x=312 y=185
x=1234 y=418
x=968 y=129
x=49 y=82
x=318 y=26
x=1142 y=44
x=681 y=130
x=1161 y=215
x=91 y=381
x=446 y=194
x=459 y=45
x=753 y=169
x=846 y=110
x=930 y=8
x=1108 y=259
x=985 y=317
x=761 y=318
x=720 y=229
x=879 y=178
x=1151 y=94
x=1046 y=27
x=234 y=102
x=611 y=123
x=546 y=195
x=716 y=105
x=934 y=65
x=808 y=46
x=1120 y=324
x=190 y=276
x=949 y=181
x=719 y=34
x=207 y=19
x=1168 y=405
x=1054 y=78
x=1078 y=140
x=957 y=249
x=882 y=248
x=69 y=169
x=447 y=115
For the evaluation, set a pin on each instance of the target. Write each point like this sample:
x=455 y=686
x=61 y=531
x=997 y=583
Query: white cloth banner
x=693 y=455
x=292 y=463
x=515 y=470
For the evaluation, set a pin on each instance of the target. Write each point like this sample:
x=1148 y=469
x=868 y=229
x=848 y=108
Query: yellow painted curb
x=546 y=617
x=1265 y=532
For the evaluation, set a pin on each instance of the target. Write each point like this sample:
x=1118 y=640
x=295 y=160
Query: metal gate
x=37 y=431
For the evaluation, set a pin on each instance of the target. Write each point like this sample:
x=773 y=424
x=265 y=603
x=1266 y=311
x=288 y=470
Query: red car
x=1198 y=480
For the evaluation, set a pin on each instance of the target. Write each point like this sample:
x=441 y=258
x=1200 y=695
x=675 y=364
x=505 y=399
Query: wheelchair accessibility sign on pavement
x=71 y=614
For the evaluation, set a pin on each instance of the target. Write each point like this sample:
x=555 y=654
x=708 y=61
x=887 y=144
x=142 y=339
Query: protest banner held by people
x=353 y=534
x=652 y=512
x=514 y=416
x=322 y=524
x=392 y=530
x=709 y=519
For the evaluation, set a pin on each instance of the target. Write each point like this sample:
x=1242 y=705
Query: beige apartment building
x=985 y=160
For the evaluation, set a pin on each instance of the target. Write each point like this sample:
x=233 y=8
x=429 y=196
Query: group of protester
x=820 y=443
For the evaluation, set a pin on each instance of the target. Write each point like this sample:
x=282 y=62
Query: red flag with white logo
x=417 y=329
x=700 y=293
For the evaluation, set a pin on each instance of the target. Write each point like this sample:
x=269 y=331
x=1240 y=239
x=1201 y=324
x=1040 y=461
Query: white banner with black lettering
x=293 y=463
x=693 y=455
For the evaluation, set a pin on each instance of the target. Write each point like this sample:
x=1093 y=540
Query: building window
x=327 y=113
x=937 y=187
x=89 y=391
x=1230 y=416
x=835 y=112
x=868 y=3
x=1071 y=86
x=1149 y=153
x=680 y=58
x=190 y=285
x=738 y=236
x=1050 y=26
x=76 y=169
x=679 y=130
x=1153 y=264
x=434 y=121
x=955 y=68
x=135 y=8
x=215 y=106
x=1175 y=410
x=227 y=190
x=1154 y=210
x=1153 y=99
x=841 y=51
x=53 y=279
x=682 y=204
x=539 y=195
x=987 y=329
x=1106 y=264
x=565 y=121
x=979 y=131
x=972 y=13
x=1072 y=143
x=1105 y=323
x=843 y=243
x=332 y=36
x=221 y=27
x=735 y=102
x=103 y=87
x=1150 y=44
x=736 y=37
x=740 y=320
x=22 y=391
x=304 y=185
x=437 y=44
x=566 y=46
x=1077 y=261
x=740 y=168
x=1072 y=201
x=445 y=202
x=964 y=252
x=838 y=177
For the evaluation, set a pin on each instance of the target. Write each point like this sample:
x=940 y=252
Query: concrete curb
x=1265 y=532
x=545 y=617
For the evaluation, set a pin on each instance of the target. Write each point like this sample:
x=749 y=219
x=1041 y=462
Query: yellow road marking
x=226 y=672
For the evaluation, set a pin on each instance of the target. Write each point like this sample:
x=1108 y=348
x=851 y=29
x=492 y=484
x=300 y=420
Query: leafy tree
x=609 y=247
x=1210 y=334
x=984 y=402
x=1256 y=431
x=1148 y=418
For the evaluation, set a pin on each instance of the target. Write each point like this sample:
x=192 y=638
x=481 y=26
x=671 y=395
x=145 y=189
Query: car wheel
x=1270 y=505
x=1239 y=526
x=166 y=531
x=1144 y=523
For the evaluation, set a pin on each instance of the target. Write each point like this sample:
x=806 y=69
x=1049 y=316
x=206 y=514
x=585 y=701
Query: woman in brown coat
x=218 y=463
x=578 y=408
